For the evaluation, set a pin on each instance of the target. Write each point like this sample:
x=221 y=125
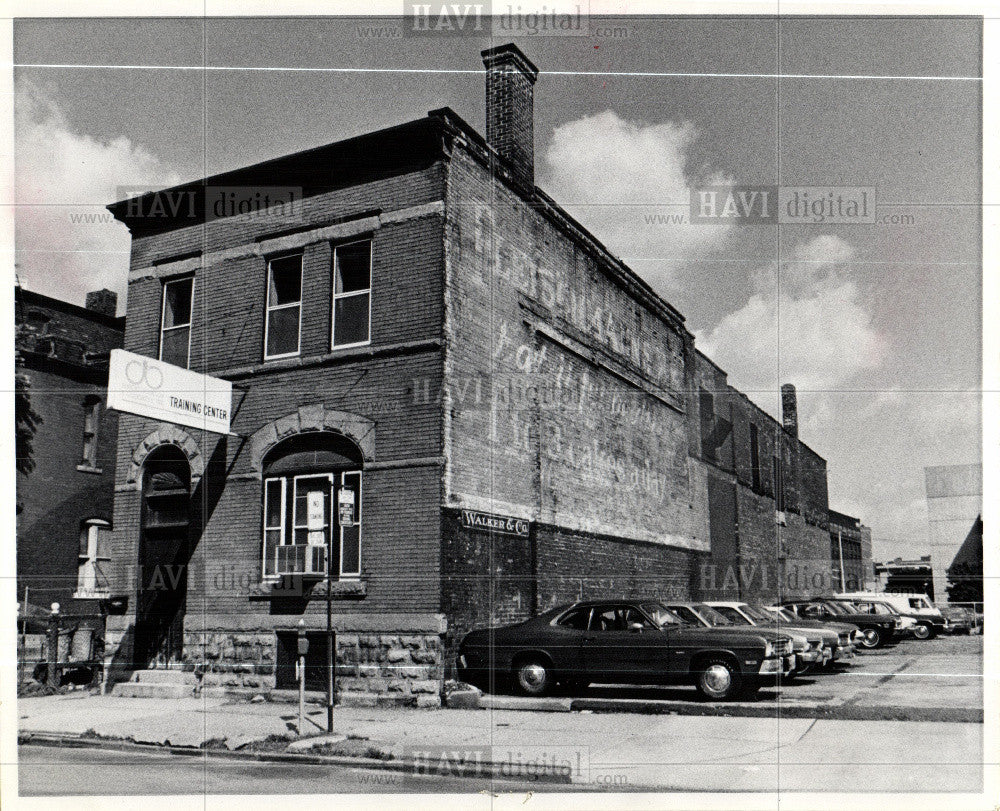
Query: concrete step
x=131 y=689
x=164 y=677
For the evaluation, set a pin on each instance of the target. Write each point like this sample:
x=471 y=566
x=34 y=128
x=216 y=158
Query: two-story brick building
x=65 y=486
x=442 y=375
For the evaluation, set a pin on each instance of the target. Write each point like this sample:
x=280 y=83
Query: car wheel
x=922 y=631
x=533 y=677
x=803 y=670
x=871 y=638
x=718 y=680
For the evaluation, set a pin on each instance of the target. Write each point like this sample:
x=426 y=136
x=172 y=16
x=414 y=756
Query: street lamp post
x=329 y=629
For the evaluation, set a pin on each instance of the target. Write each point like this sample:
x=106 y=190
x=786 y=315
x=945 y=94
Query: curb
x=777 y=709
x=406 y=765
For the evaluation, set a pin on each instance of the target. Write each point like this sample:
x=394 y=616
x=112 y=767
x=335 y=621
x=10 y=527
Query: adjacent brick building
x=518 y=417
x=850 y=553
x=65 y=487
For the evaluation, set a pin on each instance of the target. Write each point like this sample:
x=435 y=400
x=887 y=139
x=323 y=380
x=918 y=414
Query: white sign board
x=152 y=388
x=315 y=512
x=345 y=500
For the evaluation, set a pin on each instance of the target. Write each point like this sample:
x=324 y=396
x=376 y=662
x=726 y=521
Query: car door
x=565 y=640
x=616 y=653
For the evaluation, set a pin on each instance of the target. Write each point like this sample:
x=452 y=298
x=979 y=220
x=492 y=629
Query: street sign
x=152 y=388
x=345 y=501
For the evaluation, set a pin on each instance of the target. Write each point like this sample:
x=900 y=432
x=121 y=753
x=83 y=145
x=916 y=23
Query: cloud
x=877 y=445
x=805 y=323
x=617 y=177
x=67 y=243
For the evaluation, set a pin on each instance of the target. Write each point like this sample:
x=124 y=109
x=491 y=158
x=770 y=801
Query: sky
x=877 y=325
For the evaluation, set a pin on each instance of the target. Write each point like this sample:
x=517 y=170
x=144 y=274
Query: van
x=930 y=621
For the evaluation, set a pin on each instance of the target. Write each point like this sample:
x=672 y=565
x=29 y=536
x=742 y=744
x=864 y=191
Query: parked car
x=623 y=642
x=809 y=646
x=848 y=636
x=958 y=619
x=929 y=620
x=908 y=625
x=876 y=629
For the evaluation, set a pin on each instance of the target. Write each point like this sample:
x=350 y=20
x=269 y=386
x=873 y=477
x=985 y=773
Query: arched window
x=92 y=576
x=312 y=507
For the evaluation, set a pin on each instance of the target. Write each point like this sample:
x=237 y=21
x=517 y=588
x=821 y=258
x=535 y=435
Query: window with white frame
x=312 y=509
x=91 y=424
x=94 y=558
x=284 y=307
x=175 y=321
x=352 y=288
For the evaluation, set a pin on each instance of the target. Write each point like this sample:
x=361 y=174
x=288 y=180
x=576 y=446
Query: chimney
x=789 y=410
x=510 y=130
x=104 y=302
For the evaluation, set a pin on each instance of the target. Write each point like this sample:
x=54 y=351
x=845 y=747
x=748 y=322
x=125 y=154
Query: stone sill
x=89 y=469
x=309 y=589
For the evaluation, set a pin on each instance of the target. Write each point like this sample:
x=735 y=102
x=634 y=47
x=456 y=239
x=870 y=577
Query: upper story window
x=778 y=483
x=92 y=579
x=284 y=307
x=175 y=323
x=706 y=408
x=91 y=424
x=352 y=287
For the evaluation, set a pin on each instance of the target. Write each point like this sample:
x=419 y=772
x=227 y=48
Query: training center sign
x=152 y=388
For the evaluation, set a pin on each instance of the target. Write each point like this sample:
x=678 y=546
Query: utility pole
x=329 y=626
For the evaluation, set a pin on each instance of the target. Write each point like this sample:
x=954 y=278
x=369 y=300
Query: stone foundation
x=372 y=668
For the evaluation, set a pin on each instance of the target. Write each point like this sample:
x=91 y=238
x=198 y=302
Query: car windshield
x=713 y=617
x=661 y=615
x=757 y=614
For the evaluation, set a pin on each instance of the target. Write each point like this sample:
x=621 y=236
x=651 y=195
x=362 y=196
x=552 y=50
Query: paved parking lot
x=941 y=672
x=936 y=679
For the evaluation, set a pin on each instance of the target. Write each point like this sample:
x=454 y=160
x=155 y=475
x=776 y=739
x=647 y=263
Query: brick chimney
x=789 y=410
x=104 y=302
x=510 y=108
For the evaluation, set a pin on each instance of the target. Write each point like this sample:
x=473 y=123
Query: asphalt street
x=46 y=771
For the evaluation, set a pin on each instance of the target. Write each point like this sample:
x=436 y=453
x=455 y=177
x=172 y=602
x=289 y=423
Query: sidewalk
x=665 y=752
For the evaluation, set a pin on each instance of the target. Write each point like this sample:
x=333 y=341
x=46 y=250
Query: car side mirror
x=635 y=627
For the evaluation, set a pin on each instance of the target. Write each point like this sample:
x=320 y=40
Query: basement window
x=352 y=300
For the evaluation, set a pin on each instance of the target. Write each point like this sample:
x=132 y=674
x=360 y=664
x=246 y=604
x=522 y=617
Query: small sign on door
x=345 y=503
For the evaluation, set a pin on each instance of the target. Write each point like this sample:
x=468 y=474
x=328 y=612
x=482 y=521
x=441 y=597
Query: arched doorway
x=164 y=552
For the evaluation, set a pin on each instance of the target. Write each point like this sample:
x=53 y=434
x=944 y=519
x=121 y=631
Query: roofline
x=118 y=208
x=23 y=296
x=542 y=202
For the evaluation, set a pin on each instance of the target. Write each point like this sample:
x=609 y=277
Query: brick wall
x=387 y=383
x=56 y=497
x=575 y=411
